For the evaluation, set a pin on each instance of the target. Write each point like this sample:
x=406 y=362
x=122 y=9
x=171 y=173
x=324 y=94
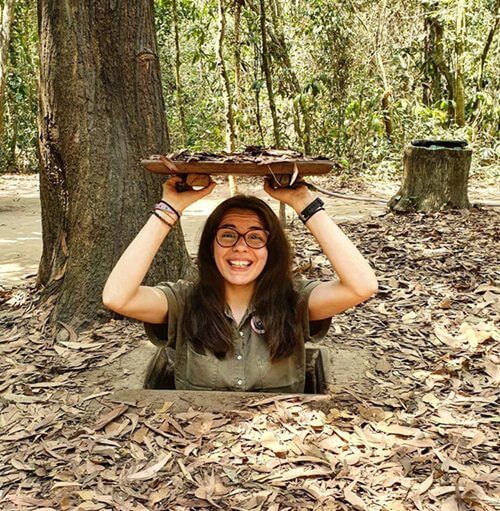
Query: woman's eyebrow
x=251 y=228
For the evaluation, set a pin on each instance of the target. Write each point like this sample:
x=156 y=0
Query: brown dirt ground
x=21 y=239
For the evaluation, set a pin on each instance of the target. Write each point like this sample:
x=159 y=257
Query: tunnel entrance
x=160 y=373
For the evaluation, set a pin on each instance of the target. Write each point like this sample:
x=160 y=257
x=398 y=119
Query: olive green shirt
x=249 y=368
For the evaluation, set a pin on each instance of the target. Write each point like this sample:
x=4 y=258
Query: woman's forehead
x=241 y=217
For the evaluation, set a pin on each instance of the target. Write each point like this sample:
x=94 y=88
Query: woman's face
x=240 y=265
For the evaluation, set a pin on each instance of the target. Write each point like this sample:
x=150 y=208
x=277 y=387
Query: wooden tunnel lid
x=253 y=162
x=305 y=168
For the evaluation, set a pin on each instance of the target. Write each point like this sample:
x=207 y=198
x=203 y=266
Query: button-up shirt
x=249 y=367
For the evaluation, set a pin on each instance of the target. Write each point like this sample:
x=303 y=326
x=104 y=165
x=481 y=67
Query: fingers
x=207 y=189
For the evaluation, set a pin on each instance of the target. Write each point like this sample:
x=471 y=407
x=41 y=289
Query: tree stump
x=434 y=178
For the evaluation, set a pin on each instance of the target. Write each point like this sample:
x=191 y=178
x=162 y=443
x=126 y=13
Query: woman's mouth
x=239 y=264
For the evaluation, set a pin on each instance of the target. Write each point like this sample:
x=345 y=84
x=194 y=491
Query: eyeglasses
x=254 y=238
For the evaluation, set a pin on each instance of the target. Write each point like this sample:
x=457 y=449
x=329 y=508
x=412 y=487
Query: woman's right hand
x=181 y=200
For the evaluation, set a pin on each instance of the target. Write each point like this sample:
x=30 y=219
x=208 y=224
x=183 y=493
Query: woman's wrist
x=165 y=218
x=169 y=208
x=302 y=202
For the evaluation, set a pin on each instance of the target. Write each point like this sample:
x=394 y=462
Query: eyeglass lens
x=255 y=238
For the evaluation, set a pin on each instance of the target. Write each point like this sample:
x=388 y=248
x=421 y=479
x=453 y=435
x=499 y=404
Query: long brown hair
x=276 y=302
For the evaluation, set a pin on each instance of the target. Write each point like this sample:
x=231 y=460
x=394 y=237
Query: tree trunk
x=431 y=82
x=280 y=51
x=256 y=89
x=267 y=74
x=440 y=63
x=101 y=110
x=433 y=179
x=226 y=93
x=237 y=55
x=386 y=96
x=270 y=94
x=178 y=86
x=5 y=35
x=487 y=46
x=459 y=72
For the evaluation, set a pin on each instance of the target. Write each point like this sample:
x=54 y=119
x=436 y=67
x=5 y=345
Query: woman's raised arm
x=123 y=292
x=357 y=280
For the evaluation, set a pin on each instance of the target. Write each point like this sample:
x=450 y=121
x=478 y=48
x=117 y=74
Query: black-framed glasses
x=228 y=237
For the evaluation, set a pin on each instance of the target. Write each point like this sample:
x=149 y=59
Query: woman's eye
x=228 y=235
x=257 y=236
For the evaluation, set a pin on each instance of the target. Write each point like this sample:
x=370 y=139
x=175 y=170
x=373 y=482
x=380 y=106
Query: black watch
x=315 y=206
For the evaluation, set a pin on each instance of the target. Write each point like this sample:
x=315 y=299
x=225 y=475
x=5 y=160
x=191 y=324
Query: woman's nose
x=241 y=243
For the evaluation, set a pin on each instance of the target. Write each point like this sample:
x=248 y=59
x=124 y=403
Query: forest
x=400 y=404
x=352 y=80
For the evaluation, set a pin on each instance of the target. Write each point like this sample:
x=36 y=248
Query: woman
x=243 y=324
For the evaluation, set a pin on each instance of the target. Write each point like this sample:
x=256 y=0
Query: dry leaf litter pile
x=418 y=432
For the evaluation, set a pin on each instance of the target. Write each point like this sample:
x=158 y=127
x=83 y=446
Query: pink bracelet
x=165 y=206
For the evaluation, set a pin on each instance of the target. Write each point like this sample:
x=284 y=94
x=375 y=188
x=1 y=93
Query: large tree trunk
x=433 y=179
x=5 y=34
x=178 y=86
x=101 y=110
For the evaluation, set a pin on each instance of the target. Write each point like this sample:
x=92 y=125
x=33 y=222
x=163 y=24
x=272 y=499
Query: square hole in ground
x=160 y=374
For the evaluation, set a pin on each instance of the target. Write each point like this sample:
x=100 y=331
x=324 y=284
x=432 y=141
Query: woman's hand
x=297 y=198
x=181 y=200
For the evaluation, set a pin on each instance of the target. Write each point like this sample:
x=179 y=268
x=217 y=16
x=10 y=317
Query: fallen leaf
x=148 y=473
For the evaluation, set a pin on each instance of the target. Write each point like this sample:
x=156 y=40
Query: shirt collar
x=229 y=314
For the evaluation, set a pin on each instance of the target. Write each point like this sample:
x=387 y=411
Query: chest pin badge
x=257 y=325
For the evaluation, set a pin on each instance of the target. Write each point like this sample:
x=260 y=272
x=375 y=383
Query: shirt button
x=239 y=357
x=241 y=334
x=239 y=382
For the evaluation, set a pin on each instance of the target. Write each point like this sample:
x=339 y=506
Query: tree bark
x=386 y=96
x=440 y=63
x=433 y=179
x=178 y=86
x=459 y=72
x=487 y=45
x=5 y=35
x=432 y=82
x=101 y=110
x=256 y=89
x=237 y=55
x=267 y=74
x=226 y=93
x=270 y=94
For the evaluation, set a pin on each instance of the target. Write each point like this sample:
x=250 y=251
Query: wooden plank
x=304 y=167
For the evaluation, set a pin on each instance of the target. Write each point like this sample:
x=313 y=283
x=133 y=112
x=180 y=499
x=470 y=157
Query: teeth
x=239 y=263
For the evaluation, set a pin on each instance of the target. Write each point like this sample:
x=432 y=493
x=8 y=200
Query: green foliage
x=18 y=146
x=333 y=62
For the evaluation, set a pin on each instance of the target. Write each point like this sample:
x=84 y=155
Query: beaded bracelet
x=162 y=218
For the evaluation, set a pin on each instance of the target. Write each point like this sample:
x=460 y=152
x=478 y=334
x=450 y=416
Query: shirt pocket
x=283 y=373
x=201 y=370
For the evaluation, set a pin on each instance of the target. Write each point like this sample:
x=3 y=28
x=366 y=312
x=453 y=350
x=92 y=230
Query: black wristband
x=315 y=206
x=171 y=207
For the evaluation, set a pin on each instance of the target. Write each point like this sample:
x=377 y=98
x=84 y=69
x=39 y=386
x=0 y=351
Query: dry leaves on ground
x=419 y=432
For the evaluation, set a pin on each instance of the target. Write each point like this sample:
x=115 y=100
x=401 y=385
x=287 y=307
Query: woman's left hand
x=297 y=197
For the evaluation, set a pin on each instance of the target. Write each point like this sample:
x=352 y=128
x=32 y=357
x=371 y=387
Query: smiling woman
x=243 y=324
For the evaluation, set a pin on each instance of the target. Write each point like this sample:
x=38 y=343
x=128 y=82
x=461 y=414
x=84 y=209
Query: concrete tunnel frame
x=344 y=367
x=318 y=382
